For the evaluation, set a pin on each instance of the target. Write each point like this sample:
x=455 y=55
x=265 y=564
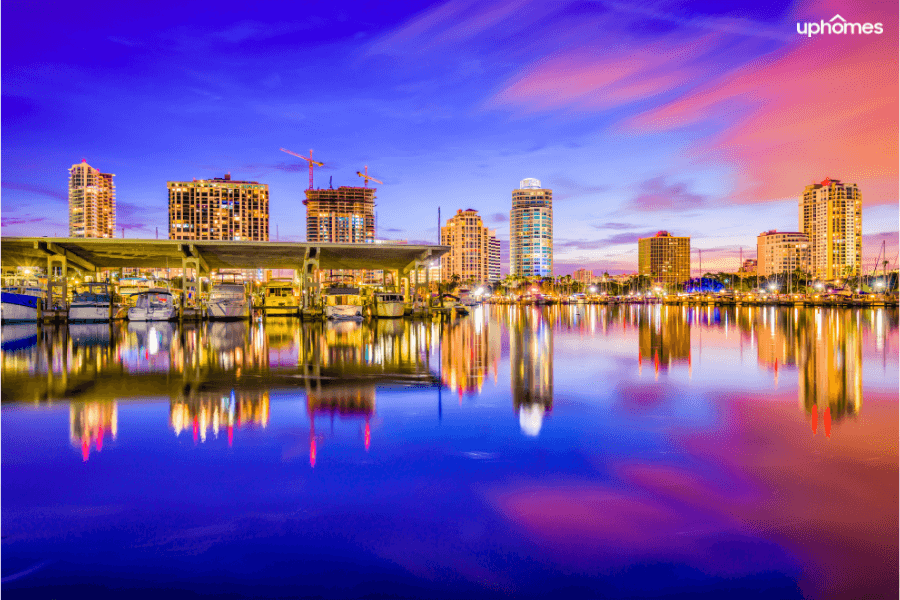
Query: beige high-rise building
x=92 y=202
x=218 y=209
x=471 y=247
x=585 y=276
x=831 y=216
x=781 y=252
x=665 y=259
x=531 y=230
x=343 y=216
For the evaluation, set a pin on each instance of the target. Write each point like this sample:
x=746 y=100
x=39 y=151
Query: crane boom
x=309 y=160
x=366 y=177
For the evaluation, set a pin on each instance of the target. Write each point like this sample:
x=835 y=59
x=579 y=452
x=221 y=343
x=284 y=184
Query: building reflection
x=664 y=337
x=470 y=352
x=531 y=367
x=830 y=377
x=89 y=424
x=210 y=413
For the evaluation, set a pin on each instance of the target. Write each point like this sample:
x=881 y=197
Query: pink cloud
x=594 y=79
x=824 y=106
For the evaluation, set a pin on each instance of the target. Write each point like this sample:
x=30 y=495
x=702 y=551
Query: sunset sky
x=705 y=119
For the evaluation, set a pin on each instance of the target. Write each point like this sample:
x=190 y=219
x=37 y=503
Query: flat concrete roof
x=93 y=253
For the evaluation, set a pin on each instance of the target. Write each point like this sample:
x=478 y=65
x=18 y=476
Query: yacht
x=153 y=305
x=343 y=304
x=389 y=305
x=21 y=303
x=228 y=299
x=95 y=303
x=279 y=298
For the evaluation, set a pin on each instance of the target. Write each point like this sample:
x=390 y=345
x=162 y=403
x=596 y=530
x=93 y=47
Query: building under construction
x=344 y=216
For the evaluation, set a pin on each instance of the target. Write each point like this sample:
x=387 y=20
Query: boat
x=22 y=303
x=343 y=304
x=153 y=305
x=279 y=298
x=389 y=305
x=450 y=303
x=95 y=303
x=228 y=298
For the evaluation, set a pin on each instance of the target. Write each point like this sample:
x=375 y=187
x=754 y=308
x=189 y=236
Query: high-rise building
x=92 y=202
x=831 y=215
x=531 y=230
x=493 y=257
x=749 y=266
x=470 y=247
x=781 y=252
x=665 y=259
x=585 y=276
x=218 y=209
x=345 y=215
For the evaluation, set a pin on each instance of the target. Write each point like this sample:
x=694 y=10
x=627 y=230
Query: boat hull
x=389 y=310
x=89 y=312
x=228 y=309
x=156 y=314
x=343 y=312
x=281 y=311
x=19 y=307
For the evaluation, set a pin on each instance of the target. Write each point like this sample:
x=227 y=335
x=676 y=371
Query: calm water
x=620 y=452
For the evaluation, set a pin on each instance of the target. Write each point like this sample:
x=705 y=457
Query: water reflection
x=89 y=423
x=219 y=375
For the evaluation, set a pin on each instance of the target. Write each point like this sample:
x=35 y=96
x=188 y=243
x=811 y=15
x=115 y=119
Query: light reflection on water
x=667 y=433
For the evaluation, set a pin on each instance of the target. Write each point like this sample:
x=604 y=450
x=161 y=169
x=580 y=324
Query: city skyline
x=650 y=129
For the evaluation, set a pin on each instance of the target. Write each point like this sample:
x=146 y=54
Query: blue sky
x=690 y=117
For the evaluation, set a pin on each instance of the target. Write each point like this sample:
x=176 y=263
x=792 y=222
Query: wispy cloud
x=49 y=192
x=25 y=220
x=657 y=195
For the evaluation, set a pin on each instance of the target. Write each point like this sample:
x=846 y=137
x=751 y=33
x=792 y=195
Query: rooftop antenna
x=330 y=186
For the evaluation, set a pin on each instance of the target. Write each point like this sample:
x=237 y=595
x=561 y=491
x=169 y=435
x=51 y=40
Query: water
x=578 y=451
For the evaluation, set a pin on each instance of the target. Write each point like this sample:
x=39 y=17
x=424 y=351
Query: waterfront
x=614 y=451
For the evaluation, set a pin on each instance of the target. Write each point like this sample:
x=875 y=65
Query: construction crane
x=309 y=160
x=366 y=177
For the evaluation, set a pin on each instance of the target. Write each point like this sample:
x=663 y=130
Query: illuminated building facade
x=831 y=216
x=665 y=259
x=531 y=230
x=342 y=216
x=780 y=252
x=218 y=209
x=92 y=202
x=493 y=258
x=470 y=247
x=585 y=276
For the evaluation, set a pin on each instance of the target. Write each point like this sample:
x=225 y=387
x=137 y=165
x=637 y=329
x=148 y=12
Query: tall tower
x=92 y=202
x=470 y=247
x=531 y=230
x=345 y=215
x=218 y=209
x=831 y=216
x=665 y=258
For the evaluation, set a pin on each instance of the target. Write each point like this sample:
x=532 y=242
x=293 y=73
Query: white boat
x=93 y=304
x=343 y=304
x=155 y=305
x=22 y=303
x=228 y=300
x=389 y=305
x=280 y=298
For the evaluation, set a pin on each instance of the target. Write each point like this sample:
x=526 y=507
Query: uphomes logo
x=838 y=25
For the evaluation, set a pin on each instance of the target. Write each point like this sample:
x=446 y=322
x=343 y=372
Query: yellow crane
x=309 y=160
x=366 y=177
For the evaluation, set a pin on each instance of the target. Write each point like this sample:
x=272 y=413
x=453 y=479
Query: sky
x=704 y=119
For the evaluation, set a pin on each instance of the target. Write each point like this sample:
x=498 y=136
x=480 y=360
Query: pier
x=408 y=263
